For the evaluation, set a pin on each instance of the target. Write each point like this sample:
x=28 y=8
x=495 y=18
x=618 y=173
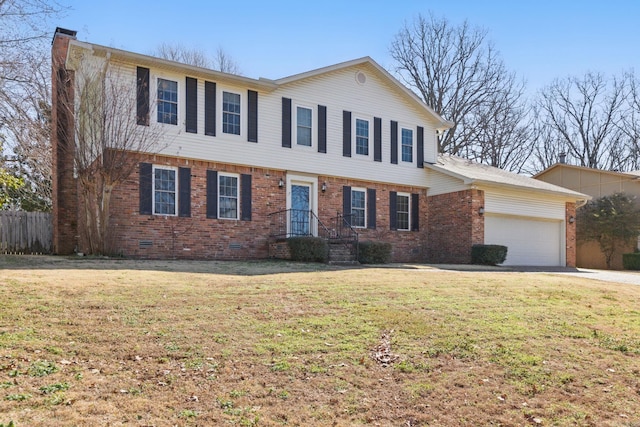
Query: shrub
x=308 y=249
x=631 y=261
x=374 y=252
x=488 y=254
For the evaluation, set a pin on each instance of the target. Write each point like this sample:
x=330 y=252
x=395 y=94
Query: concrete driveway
x=617 y=276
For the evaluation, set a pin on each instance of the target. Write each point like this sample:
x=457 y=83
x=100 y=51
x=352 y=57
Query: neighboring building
x=596 y=183
x=247 y=162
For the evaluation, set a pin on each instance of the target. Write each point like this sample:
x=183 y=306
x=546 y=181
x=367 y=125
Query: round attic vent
x=361 y=77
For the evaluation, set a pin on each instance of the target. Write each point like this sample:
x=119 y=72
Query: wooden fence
x=25 y=232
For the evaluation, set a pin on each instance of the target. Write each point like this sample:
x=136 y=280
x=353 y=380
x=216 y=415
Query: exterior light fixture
x=281 y=183
x=572 y=219
x=481 y=210
x=324 y=187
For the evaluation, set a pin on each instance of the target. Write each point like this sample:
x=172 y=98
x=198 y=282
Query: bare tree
x=458 y=73
x=107 y=136
x=630 y=122
x=584 y=116
x=25 y=98
x=222 y=61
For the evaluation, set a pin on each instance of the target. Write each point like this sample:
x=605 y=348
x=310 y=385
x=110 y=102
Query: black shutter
x=142 y=96
x=146 y=189
x=420 y=147
x=377 y=139
x=184 y=192
x=286 y=122
x=210 y=108
x=371 y=208
x=252 y=125
x=394 y=142
x=212 y=194
x=415 y=212
x=346 y=133
x=393 y=210
x=245 y=197
x=346 y=202
x=322 y=129
x=191 y=107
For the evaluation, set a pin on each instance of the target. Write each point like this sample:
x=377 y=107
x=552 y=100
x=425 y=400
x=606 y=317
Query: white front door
x=301 y=202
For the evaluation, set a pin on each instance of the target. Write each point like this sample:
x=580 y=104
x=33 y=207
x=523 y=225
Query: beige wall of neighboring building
x=596 y=183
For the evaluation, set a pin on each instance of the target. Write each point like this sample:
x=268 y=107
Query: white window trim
x=314 y=127
x=354 y=137
x=153 y=189
x=366 y=202
x=243 y=113
x=408 y=196
x=155 y=101
x=413 y=144
x=232 y=175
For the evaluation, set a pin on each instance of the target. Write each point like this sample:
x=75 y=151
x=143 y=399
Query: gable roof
x=472 y=173
x=630 y=174
x=366 y=60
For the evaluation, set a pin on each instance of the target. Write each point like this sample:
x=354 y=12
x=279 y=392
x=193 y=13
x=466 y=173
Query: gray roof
x=478 y=174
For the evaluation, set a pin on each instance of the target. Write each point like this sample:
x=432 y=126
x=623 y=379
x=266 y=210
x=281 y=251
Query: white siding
x=336 y=90
x=524 y=204
x=440 y=183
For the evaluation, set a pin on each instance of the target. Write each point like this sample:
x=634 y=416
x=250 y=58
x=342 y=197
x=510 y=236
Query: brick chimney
x=64 y=185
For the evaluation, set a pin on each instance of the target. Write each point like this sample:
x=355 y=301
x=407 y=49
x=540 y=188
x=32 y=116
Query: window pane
x=231 y=113
x=164 y=184
x=407 y=145
x=303 y=126
x=362 y=137
x=167 y=101
x=402 y=212
x=357 y=208
x=228 y=196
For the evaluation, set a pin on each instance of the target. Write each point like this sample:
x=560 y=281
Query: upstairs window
x=227 y=196
x=358 y=207
x=362 y=137
x=402 y=211
x=164 y=191
x=304 y=126
x=231 y=113
x=167 y=101
x=407 y=145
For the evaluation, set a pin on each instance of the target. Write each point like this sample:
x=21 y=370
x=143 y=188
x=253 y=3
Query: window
x=358 y=207
x=407 y=145
x=231 y=113
x=304 y=126
x=362 y=137
x=227 y=196
x=164 y=191
x=167 y=101
x=402 y=211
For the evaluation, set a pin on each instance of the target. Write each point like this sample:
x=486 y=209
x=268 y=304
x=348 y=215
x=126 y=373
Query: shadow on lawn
x=240 y=268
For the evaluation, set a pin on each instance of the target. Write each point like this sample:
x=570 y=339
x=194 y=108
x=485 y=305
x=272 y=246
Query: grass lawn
x=89 y=342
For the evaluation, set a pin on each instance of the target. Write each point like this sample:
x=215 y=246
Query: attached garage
x=472 y=203
x=528 y=241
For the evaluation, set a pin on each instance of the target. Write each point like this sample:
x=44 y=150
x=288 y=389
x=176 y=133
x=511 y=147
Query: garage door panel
x=528 y=241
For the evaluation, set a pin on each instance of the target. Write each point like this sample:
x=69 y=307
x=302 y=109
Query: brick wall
x=571 y=235
x=64 y=185
x=454 y=226
x=199 y=237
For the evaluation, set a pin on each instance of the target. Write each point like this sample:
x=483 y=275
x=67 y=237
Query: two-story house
x=244 y=163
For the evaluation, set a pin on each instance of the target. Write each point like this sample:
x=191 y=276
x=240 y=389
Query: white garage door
x=528 y=241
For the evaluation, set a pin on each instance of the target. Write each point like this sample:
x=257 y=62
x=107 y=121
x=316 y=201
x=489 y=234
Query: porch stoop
x=342 y=253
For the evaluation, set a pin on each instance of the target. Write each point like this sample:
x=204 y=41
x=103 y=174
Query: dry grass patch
x=88 y=342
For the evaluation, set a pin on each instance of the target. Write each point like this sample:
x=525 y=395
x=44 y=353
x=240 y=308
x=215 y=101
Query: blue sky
x=539 y=40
